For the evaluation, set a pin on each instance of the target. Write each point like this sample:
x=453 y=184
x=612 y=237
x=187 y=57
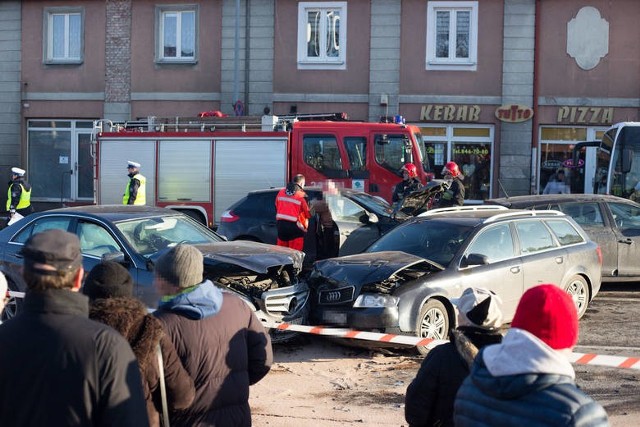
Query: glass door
x=60 y=166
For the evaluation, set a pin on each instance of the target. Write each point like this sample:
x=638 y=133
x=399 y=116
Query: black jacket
x=454 y=196
x=405 y=187
x=58 y=368
x=430 y=396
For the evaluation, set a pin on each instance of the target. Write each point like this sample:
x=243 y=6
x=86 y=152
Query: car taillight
x=229 y=216
x=599 y=251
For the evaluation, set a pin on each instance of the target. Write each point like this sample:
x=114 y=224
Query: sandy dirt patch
x=318 y=382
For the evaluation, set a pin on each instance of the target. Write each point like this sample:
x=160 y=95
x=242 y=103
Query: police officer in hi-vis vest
x=19 y=194
x=135 y=193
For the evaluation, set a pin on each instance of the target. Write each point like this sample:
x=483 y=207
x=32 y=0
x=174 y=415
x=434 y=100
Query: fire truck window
x=322 y=153
x=357 y=152
x=390 y=152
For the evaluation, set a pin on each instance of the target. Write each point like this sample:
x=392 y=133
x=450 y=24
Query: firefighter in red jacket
x=292 y=214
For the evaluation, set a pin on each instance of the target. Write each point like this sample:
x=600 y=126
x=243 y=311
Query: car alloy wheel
x=433 y=322
x=578 y=290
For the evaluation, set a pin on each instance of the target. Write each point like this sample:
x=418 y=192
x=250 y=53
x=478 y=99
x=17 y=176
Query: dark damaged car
x=264 y=276
x=404 y=282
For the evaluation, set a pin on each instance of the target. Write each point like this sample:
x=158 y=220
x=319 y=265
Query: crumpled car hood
x=368 y=268
x=256 y=257
x=416 y=202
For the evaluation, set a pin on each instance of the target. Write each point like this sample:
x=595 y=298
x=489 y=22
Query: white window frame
x=452 y=63
x=49 y=14
x=179 y=10
x=322 y=62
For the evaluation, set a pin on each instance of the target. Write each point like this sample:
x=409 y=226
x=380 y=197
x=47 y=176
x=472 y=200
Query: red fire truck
x=201 y=166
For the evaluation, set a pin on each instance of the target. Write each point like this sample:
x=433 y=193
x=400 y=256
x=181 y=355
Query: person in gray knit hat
x=221 y=342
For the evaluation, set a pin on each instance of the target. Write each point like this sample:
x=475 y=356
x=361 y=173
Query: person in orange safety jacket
x=292 y=214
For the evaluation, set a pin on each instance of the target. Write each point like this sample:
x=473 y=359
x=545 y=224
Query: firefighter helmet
x=452 y=169
x=411 y=170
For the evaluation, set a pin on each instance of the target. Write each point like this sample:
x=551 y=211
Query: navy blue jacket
x=519 y=393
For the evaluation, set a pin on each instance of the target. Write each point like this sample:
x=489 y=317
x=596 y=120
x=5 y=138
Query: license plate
x=340 y=318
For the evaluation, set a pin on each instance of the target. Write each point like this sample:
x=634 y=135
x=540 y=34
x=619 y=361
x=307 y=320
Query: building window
x=64 y=36
x=452 y=35
x=177 y=35
x=322 y=31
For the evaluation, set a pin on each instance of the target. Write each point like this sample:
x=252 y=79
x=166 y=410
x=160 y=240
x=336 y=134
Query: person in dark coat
x=58 y=367
x=219 y=339
x=409 y=184
x=430 y=396
x=454 y=195
x=527 y=380
x=109 y=286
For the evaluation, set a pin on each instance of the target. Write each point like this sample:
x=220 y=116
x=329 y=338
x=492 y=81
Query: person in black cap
x=431 y=395
x=58 y=367
x=19 y=194
x=135 y=192
x=109 y=286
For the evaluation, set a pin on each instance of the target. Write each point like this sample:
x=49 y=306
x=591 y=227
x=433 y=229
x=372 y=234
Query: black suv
x=360 y=219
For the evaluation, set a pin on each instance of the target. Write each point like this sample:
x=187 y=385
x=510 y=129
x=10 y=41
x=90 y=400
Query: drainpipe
x=236 y=53
x=247 y=54
x=536 y=116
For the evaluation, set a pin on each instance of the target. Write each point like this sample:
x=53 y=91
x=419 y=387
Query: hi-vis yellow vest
x=142 y=190
x=25 y=197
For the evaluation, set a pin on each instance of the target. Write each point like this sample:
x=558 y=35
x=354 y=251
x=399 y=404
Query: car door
x=356 y=233
x=503 y=273
x=543 y=260
x=626 y=219
x=592 y=217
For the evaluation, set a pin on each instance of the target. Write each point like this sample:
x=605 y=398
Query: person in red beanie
x=527 y=380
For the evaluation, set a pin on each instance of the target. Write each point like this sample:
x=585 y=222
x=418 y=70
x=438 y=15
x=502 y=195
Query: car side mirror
x=116 y=256
x=474 y=259
x=369 y=218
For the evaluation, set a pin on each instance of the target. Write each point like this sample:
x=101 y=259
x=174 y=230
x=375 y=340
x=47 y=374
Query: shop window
x=471 y=147
x=452 y=35
x=63 y=35
x=322 y=31
x=474 y=161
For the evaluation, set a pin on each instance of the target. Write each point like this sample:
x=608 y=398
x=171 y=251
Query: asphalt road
x=609 y=327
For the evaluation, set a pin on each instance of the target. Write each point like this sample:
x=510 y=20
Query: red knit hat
x=550 y=314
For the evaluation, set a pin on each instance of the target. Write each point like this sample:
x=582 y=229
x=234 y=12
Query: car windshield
x=150 y=235
x=436 y=241
x=376 y=205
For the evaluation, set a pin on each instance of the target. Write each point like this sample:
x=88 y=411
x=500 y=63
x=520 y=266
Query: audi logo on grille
x=332 y=296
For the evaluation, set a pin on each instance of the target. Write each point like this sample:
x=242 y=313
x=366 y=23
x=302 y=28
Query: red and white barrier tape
x=578 y=358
